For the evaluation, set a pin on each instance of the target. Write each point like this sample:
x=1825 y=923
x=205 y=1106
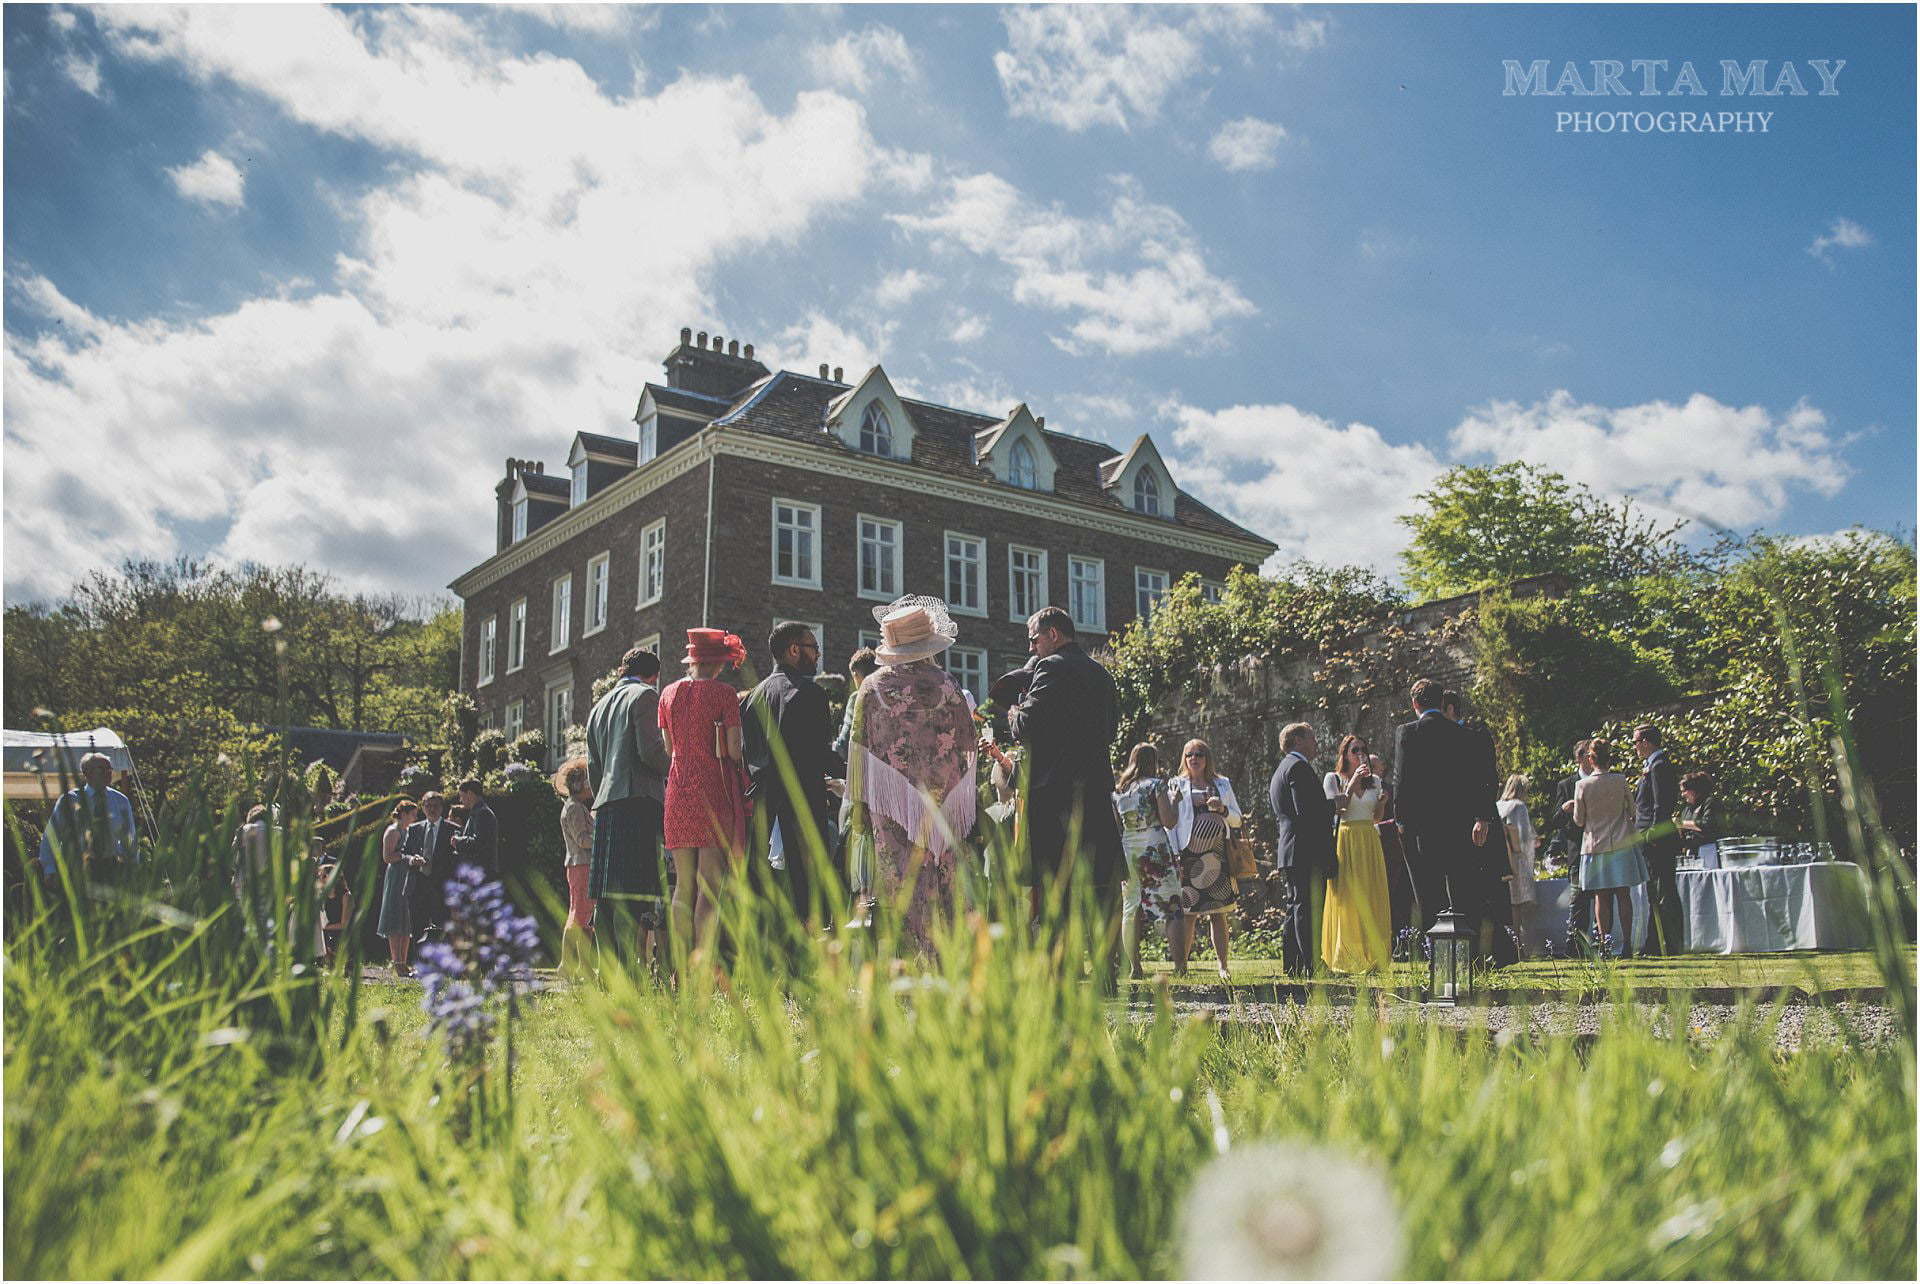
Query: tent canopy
x=30 y=751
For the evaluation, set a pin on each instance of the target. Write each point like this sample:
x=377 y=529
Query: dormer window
x=876 y=431
x=578 y=495
x=1146 y=493
x=649 y=437
x=520 y=518
x=1021 y=471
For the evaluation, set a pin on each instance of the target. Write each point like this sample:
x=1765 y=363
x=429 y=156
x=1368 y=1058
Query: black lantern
x=1449 y=958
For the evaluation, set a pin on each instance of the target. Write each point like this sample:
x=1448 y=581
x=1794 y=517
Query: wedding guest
x=1067 y=720
x=432 y=840
x=910 y=768
x=788 y=713
x=860 y=666
x=1401 y=901
x=1565 y=839
x=336 y=906
x=1487 y=880
x=1610 y=862
x=1520 y=841
x=1356 y=925
x=705 y=826
x=1655 y=800
x=1153 y=881
x=1699 y=815
x=91 y=828
x=396 y=920
x=1205 y=813
x=576 y=835
x=1444 y=805
x=478 y=842
x=627 y=764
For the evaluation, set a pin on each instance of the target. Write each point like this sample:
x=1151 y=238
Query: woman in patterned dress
x=1153 y=881
x=910 y=769
x=1205 y=810
x=706 y=809
x=576 y=833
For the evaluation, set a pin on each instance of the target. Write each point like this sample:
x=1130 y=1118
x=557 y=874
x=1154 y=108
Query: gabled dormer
x=667 y=416
x=1139 y=479
x=870 y=418
x=526 y=499
x=1015 y=450
x=596 y=462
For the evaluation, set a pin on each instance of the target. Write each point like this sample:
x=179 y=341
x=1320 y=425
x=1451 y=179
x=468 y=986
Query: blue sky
x=290 y=283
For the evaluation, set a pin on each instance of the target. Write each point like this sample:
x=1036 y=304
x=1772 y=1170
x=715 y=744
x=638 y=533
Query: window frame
x=560 y=613
x=979 y=567
x=859 y=557
x=979 y=652
x=519 y=527
x=641 y=599
x=1014 y=455
x=553 y=728
x=603 y=560
x=517 y=646
x=513 y=719
x=1212 y=592
x=486 y=650
x=1014 y=613
x=867 y=414
x=817 y=530
x=577 y=485
x=649 y=443
x=1145 y=485
x=1098 y=624
x=1144 y=612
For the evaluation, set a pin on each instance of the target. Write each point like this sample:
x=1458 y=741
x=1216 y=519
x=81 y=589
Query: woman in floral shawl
x=910 y=769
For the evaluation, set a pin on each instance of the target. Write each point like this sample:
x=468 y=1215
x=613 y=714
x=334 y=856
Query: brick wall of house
x=683 y=503
x=746 y=600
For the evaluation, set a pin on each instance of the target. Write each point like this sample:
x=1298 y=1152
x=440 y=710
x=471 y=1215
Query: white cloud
x=1247 y=143
x=593 y=19
x=1845 y=234
x=1077 y=66
x=818 y=340
x=967 y=327
x=1134 y=278
x=84 y=72
x=897 y=288
x=1733 y=465
x=536 y=235
x=859 y=59
x=1317 y=489
x=211 y=180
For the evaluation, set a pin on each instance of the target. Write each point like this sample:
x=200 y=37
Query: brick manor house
x=748 y=498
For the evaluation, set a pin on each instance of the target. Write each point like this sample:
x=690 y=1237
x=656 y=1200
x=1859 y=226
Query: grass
x=1813 y=973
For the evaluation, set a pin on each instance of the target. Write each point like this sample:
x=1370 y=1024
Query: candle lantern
x=1449 y=959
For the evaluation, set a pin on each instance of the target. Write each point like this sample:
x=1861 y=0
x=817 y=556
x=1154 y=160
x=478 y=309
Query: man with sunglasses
x=788 y=711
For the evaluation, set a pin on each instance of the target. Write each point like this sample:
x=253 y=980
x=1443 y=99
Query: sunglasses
x=1196 y=754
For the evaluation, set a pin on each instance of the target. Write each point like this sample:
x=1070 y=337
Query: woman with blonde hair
x=1205 y=814
x=1518 y=824
x=1140 y=799
x=1356 y=920
x=576 y=831
x=1610 y=861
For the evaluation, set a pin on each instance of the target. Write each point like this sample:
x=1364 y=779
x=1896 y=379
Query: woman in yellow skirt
x=1356 y=924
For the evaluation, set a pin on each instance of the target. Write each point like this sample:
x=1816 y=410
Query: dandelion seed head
x=1279 y=1211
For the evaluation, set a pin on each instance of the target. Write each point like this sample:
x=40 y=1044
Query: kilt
x=626 y=850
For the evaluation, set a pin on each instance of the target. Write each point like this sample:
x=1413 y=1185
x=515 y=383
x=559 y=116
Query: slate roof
x=698 y=403
x=546 y=485
x=794 y=406
x=627 y=450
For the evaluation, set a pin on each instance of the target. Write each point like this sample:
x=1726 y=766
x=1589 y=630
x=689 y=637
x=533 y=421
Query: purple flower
x=486 y=942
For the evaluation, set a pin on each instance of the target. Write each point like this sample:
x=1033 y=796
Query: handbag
x=1240 y=861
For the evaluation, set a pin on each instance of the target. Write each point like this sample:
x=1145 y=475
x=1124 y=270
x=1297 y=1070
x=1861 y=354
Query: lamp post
x=1449 y=957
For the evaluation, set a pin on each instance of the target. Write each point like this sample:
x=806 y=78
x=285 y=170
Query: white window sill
x=800 y=584
x=652 y=601
x=484 y=682
x=587 y=633
x=558 y=650
x=978 y=613
x=868 y=595
x=515 y=668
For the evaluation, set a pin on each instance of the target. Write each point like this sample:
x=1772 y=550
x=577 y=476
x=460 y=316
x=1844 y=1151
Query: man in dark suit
x=1066 y=720
x=1304 y=850
x=1492 y=887
x=1655 y=799
x=788 y=713
x=1564 y=837
x=1444 y=803
x=432 y=840
x=479 y=843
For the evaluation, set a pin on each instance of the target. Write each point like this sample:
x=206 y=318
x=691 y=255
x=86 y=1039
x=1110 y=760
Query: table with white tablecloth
x=1749 y=909
x=1758 y=909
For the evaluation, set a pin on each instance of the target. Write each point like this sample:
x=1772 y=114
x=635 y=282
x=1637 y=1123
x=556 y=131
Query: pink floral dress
x=911 y=767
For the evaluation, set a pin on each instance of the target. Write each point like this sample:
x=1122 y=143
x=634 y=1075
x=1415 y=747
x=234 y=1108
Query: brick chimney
x=718 y=369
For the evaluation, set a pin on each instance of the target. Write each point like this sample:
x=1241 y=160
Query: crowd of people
x=687 y=787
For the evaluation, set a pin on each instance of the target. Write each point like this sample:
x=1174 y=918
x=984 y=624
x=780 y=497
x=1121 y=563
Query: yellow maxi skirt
x=1356 y=927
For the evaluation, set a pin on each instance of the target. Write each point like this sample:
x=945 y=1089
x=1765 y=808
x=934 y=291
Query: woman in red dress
x=706 y=811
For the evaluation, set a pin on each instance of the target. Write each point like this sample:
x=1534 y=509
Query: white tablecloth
x=1764 y=908
x=1553 y=910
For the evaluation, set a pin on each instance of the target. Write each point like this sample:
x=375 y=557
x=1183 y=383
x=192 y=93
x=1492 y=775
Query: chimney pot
x=1040 y=421
x=733 y=347
x=718 y=345
x=837 y=373
x=824 y=371
x=749 y=352
x=703 y=338
x=686 y=334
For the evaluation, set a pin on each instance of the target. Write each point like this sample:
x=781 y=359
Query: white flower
x=1293 y=1212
